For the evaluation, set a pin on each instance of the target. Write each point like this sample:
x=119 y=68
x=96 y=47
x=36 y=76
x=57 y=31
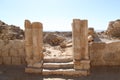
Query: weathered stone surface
x=1 y=60
x=66 y=72
x=92 y=35
x=21 y=52
x=58 y=59
x=33 y=70
x=10 y=32
x=1 y=44
x=7 y=60
x=85 y=64
x=38 y=65
x=82 y=65
x=28 y=41
x=80 y=39
x=114 y=29
x=68 y=65
x=16 y=60
x=37 y=36
x=98 y=46
x=14 y=48
x=18 y=43
x=105 y=54
x=5 y=52
x=53 y=39
x=13 y=52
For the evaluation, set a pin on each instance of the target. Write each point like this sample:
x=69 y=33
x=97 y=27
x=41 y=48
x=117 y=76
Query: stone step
x=33 y=70
x=67 y=72
x=57 y=59
x=58 y=65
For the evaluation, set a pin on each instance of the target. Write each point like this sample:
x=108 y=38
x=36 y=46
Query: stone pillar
x=80 y=44
x=28 y=42
x=37 y=31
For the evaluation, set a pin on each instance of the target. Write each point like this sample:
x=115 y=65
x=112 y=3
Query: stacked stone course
x=12 y=52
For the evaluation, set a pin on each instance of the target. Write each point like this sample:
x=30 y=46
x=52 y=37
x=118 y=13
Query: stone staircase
x=57 y=66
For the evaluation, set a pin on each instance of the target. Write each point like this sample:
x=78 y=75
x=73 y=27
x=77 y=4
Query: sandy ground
x=97 y=73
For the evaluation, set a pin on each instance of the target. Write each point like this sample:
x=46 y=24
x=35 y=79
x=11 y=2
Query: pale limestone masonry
x=81 y=64
x=33 y=42
x=80 y=41
x=105 y=54
x=29 y=52
x=33 y=46
x=37 y=38
x=12 y=52
x=101 y=54
x=80 y=44
x=28 y=42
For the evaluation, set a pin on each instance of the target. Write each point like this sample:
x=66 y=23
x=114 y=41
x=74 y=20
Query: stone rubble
x=10 y=32
x=113 y=29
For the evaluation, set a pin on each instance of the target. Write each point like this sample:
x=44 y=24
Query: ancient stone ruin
x=53 y=54
x=80 y=64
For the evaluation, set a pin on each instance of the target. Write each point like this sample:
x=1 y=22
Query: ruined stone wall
x=105 y=54
x=12 y=52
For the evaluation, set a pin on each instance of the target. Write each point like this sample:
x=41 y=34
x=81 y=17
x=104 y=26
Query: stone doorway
x=77 y=66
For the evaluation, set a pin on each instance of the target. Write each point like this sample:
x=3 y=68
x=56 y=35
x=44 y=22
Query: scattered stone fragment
x=10 y=32
x=113 y=29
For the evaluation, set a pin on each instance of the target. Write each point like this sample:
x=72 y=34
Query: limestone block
x=1 y=60
x=76 y=39
x=37 y=41
x=85 y=64
x=65 y=72
x=77 y=65
x=7 y=60
x=98 y=46
x=8 y=46
x=18 y=44
x=16 y=60
x=38 y=65
x=33 y=70
x=80 y=39
x=28 y=41
x=5 y=52
x=1 y=44
x=82 y=65
x=13 y=52
x=21 y=52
